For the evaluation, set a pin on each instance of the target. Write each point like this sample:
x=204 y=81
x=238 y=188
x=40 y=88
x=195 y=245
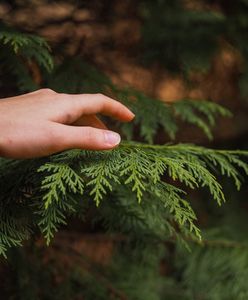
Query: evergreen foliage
x=139 y=192
x=148 y=171
x=18 y=50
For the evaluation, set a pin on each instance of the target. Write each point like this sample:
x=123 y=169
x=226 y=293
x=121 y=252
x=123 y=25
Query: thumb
x=85 y=137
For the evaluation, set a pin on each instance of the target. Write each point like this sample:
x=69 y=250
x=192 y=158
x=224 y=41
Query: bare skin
x=45 y=122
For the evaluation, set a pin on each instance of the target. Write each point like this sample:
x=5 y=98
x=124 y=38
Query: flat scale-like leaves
x=143 y=169
x=157 y=176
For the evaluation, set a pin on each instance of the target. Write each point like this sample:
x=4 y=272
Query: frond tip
x=27 y=46
x=60 y=181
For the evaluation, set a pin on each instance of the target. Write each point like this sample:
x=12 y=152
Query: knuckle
x=47 y=91
x=103 y=101
x=100 y=97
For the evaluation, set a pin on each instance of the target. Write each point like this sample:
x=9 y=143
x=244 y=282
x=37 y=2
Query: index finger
x=98 y=103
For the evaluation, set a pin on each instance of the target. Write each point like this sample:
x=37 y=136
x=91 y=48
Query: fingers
x=69 y=137
x=90 y=104
x=52 y=137
x=91 y=121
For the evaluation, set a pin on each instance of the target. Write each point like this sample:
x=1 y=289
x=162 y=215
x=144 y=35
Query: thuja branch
x=130 y=144
x=142 y=180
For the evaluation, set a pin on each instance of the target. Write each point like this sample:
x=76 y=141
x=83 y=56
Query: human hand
x=45 y=122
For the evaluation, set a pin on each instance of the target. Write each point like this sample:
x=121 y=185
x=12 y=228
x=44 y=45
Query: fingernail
x=112 y=138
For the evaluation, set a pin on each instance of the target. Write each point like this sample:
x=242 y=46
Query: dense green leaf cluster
x=150 y=173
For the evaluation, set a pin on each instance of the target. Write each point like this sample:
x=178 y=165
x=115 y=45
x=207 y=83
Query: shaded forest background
x=169 y=60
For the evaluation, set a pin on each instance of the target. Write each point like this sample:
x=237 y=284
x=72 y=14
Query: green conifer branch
x=146 y=171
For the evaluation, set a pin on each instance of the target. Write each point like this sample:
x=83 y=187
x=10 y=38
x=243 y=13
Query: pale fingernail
x=112 y=138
